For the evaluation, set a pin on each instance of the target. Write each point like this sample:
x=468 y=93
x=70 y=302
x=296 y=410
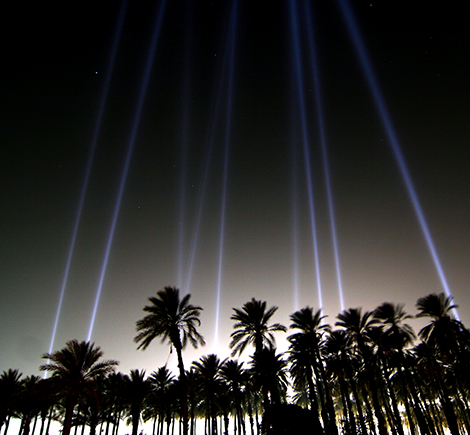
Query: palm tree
x=158 y=401
x=136 y=390
x=341 y=366
x=445 y=337
x=252 y=327
x=236 y=377
x=301 y=359
x=210 y=382
x=75 y=367
x=444 y=332
x=29 y=404
x=357 y=326
x=269 y=375
x=10 y=386
x=173 y=320
x=309 y=338
x=398 y=335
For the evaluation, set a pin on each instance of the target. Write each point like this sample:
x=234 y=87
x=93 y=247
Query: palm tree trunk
x=314 y=404
x=348 y=407
x=355 y=394
x=69 y=406
x=184 y=399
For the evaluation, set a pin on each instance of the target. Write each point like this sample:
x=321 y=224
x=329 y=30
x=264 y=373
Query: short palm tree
x=11 y=387
x=76 y=367
x=173 y=320
x=136 y=389
x=252 y=327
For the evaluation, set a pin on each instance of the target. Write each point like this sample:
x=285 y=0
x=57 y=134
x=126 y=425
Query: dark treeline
x=368 y=373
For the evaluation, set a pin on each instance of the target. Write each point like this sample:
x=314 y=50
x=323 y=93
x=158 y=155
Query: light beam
x=386 y=120
x=294 y=25
x=89 y=163
x=323 y=144
x=230 y=60
x=130 y=147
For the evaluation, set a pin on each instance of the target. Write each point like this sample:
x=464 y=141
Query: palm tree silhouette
x=236 y=377
x=174 y=320
x=76 y=367
x=444 y=332
x=208 y=373
x=443 y=339
x=252 y=327
x=136 y=389
x=397 y=335
x=10 y=387
x=357 y=326
x=269 y=375
x=309 y=339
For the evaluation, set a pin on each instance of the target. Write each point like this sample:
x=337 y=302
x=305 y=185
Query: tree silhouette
x=10 y=387
x=357 y=326
x=252 y=327
x=309 y=339
x=75 y=367
x=174 y=320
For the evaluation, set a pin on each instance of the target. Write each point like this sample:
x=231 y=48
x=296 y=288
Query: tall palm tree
x=310 y=337
x=210 y=382
x=75 y=367
x=269 y=375
x=136 y=389
x=357 y=325
x=398 y=335
x=174 y=320
x=236 y=377
x=341 y=365
x=301 y=359
x=252 y=327
x=444 y=337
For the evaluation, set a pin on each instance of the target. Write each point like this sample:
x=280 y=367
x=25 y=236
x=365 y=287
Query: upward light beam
x=94 y=141
x=385 y=117
x=230 y=60
x=323 y=145
x=298 y=71
x=130 y=147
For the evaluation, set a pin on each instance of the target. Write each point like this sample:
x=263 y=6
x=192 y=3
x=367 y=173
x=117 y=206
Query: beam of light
x=295 y=231
x=211 y=139
x=385 y=117
x=130 y=147
x=201 y=196
x=228 y=119
x=323 y=144
x=294 y=25
x=184 y=149
x=94 y=140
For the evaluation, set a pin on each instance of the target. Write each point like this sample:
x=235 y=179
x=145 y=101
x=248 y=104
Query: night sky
x=201 y=103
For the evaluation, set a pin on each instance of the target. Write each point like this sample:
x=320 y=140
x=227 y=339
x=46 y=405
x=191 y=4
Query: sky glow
x=296 y=154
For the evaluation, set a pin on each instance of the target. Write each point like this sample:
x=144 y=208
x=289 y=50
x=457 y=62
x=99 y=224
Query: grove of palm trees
x=367 y=372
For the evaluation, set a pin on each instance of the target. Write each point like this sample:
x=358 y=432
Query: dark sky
x=54 y=71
